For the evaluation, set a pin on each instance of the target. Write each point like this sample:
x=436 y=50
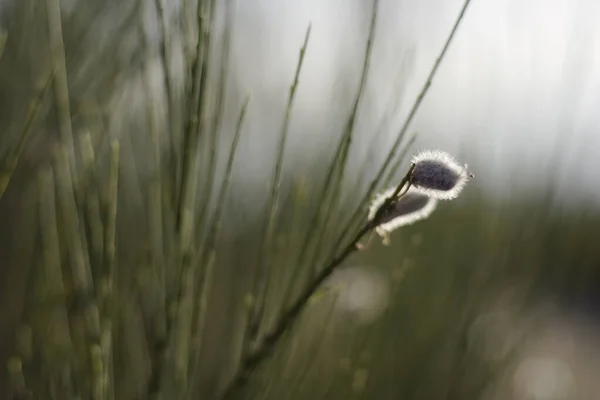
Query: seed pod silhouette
x=438 y=175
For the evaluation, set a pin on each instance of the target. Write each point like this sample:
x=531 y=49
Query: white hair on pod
x=413 y=206
x=438 y=175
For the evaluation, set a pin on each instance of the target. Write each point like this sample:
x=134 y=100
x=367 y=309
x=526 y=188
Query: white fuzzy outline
x=402 y=220
x=451 y=164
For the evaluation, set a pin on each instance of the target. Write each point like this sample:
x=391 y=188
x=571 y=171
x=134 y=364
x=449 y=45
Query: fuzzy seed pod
x=410 y=208
x=438 y=175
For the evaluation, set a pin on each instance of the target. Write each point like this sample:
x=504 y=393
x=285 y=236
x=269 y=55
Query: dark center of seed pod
x=408 y=204
x=434 y=175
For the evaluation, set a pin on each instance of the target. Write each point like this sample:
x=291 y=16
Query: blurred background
x=174 y=176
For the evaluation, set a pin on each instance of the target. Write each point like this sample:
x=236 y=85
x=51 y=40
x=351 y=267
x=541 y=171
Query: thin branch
x=261 y=280
x=111 y=214
x=413 y=111
x=82 y=275
x=173 y=114
x=211 y=131
x=93 y=214
x=78 y=257
x=61 y=85
x=189 y=145
x=326 y=196
x=256 y=358
x=10 y=164
x=395 y=102
x=179 y=323
x=331 y=205
x=189 y=269
x=106 y=338
x=203 y=126
x=165 y=57
x=355 y=218
x=396 y=166
x=3 y=37
x=328 y=191
x=156 y=187
x=59 y=334
x=53 y=274
x=208 y=256
x=218 y=115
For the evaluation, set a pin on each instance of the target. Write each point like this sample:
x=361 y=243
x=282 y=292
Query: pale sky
x=520 y=83
x=519 y=75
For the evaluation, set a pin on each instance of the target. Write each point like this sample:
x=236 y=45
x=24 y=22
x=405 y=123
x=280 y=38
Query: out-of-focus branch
x=9 y=165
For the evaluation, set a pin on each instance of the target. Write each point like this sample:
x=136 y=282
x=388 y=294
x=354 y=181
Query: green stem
x=252 y=361
x=10 y=164
x=61 y=86
x=413 y=111
x=208 y=257
x=264 y=263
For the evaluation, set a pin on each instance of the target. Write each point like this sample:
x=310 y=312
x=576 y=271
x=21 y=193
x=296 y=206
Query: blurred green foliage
x=119 y=282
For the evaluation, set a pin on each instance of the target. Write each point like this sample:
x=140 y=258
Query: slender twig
x=92 y=204
x=224 y=64
x=393 y=172
x=188 y=34
x=97 y=370
x=318 y=345
x=110 y=225
x=173 y=113
x=59 y=336
x=218 y=115
x=287 y=248
x=106 y=344
x=10 y=164
x=208 y=256
x=49 y=232
x=189 y=269
x=355 y=217
x=78 y=257
x=82 y=277
x=210 y=132
x=337 y=162
x=178 y=327
x=203 y=126
x=111 y=214
x=165 y=57
x=261 y=279
x=316 y=226
x=299 y=267
x=155 y=197
x=329 y=207
x=413 y=111
x=189 y=145
x=61 y=85
x=3 y=37
x=394 y=103
x=255 y=359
